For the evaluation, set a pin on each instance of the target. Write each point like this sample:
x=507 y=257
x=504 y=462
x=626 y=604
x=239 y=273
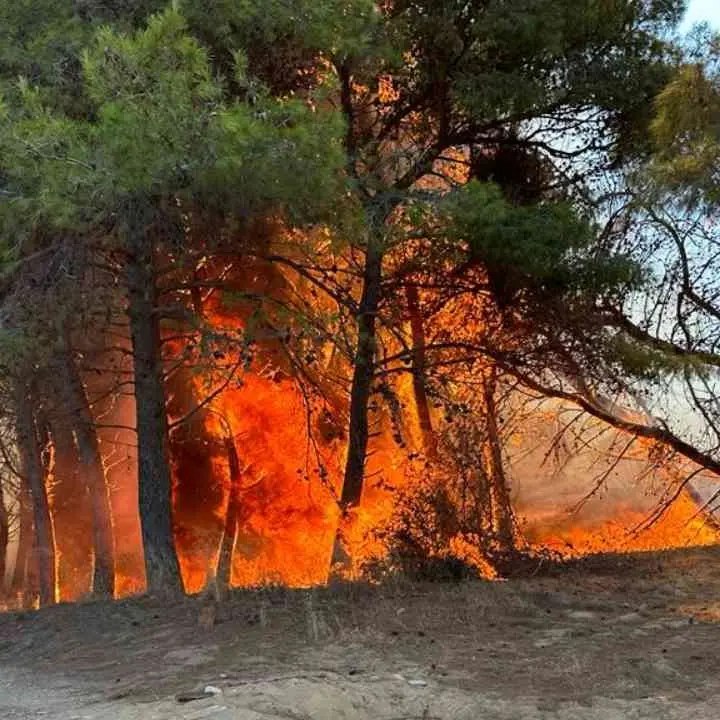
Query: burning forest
x=318 y=291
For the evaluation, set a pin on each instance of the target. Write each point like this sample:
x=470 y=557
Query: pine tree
x=159 y=132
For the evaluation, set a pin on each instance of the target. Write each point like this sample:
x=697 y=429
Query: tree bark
x=363 y=375
x=33 y=472
x=227 y=546
x=19 y=584
x=93 y=475
x=422 y=406
x=501 y=511
x=4 y=541
x=154 y=480
x=360 y=392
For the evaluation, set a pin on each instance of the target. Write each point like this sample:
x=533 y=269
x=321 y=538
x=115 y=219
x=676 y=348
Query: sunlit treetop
x=686 y=130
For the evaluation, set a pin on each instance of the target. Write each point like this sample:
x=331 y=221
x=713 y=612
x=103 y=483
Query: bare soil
x=606 y=638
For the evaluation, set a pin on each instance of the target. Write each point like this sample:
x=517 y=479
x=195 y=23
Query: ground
x=608 y=638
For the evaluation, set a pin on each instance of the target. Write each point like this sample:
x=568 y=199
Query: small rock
x=212 y=690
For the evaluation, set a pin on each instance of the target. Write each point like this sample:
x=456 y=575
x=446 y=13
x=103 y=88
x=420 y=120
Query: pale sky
x=703 y=11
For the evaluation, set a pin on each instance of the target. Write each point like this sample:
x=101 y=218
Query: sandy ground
x=608 y=639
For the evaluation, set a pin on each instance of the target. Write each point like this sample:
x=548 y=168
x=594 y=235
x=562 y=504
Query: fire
x=291 y=449
x=682 y=525
x=289 y=445
x=287 y=511
x=290 y=483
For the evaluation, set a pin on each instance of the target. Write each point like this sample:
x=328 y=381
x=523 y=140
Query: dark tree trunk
x=33 y=472
x=93 y=475
x=4 y=540
x=363 y=375
x=360 y=392
x=422 y=405
x=154 y=481
x=502 y=512
x=19 y=584
x=224 y=567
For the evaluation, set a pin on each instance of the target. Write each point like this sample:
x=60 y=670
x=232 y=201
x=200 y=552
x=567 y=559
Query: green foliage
x=45 y=161
x=536 y=239
x=277 y=154
x=155 y=98
x=160 y=126
x=514 y=61
x=687 y=134
x=329 y=26
x=17 y=349
x=43 y=40
x=229 y=103
x=649 y=364
x=546 y=248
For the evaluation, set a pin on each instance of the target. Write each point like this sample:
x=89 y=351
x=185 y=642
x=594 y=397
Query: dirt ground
x=609 y=638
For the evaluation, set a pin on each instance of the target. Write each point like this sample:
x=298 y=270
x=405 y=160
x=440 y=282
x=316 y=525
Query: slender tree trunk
x=93 y=475
x=363 y=375
x=4 y=541
x=502 y=513
x=227 y=546
x=154 y=481
x=360 y=392
x=32 y=470
x=422 y=405
x=19 y=583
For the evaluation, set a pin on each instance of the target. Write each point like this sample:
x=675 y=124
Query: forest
x=287 y=286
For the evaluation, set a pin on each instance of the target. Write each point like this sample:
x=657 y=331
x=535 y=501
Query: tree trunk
x=363 y=375
x=422 y=405
x=32 y=470
x=154 y=481
x=502 y=513
x=69 y=510
x=4 y=541
x=19 y=584
x=360 y=392
x=93 y=475
x=224 y=567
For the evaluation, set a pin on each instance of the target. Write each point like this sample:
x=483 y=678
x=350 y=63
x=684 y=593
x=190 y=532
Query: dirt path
x=612 y=639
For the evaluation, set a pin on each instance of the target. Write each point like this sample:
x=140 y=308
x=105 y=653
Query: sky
x=703 y=11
